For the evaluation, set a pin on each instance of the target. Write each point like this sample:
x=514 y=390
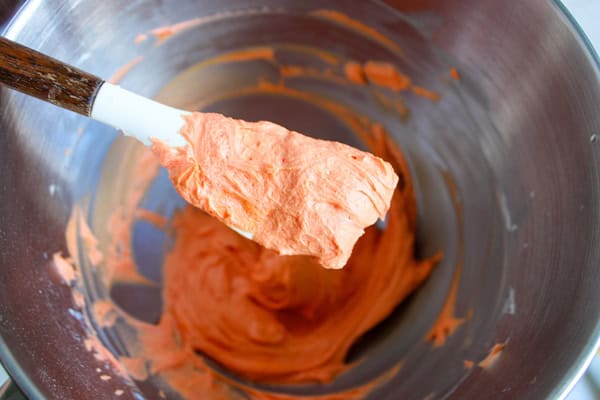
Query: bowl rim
x=578 y=369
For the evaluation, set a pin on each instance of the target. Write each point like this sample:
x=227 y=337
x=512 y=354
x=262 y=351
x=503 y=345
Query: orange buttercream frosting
x=285 y=319
x=295 y=194
x=236 y=313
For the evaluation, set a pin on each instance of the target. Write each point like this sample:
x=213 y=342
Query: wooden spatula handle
x=38 y=75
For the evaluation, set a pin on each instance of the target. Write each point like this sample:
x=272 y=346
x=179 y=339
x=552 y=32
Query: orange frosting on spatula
x=295 y=194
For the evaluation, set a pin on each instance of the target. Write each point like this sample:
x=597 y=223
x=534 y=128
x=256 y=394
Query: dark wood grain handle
x=41 y=76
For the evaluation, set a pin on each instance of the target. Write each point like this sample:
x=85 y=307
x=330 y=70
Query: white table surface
x=587 y=14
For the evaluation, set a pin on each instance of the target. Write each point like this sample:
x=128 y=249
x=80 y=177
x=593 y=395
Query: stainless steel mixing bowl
x=507 y=167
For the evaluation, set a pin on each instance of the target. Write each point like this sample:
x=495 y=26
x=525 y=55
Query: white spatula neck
x=138 y=116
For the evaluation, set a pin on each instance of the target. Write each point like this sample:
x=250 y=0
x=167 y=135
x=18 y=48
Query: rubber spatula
x=340 y=206
x=48 y=79
x=41 y=76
